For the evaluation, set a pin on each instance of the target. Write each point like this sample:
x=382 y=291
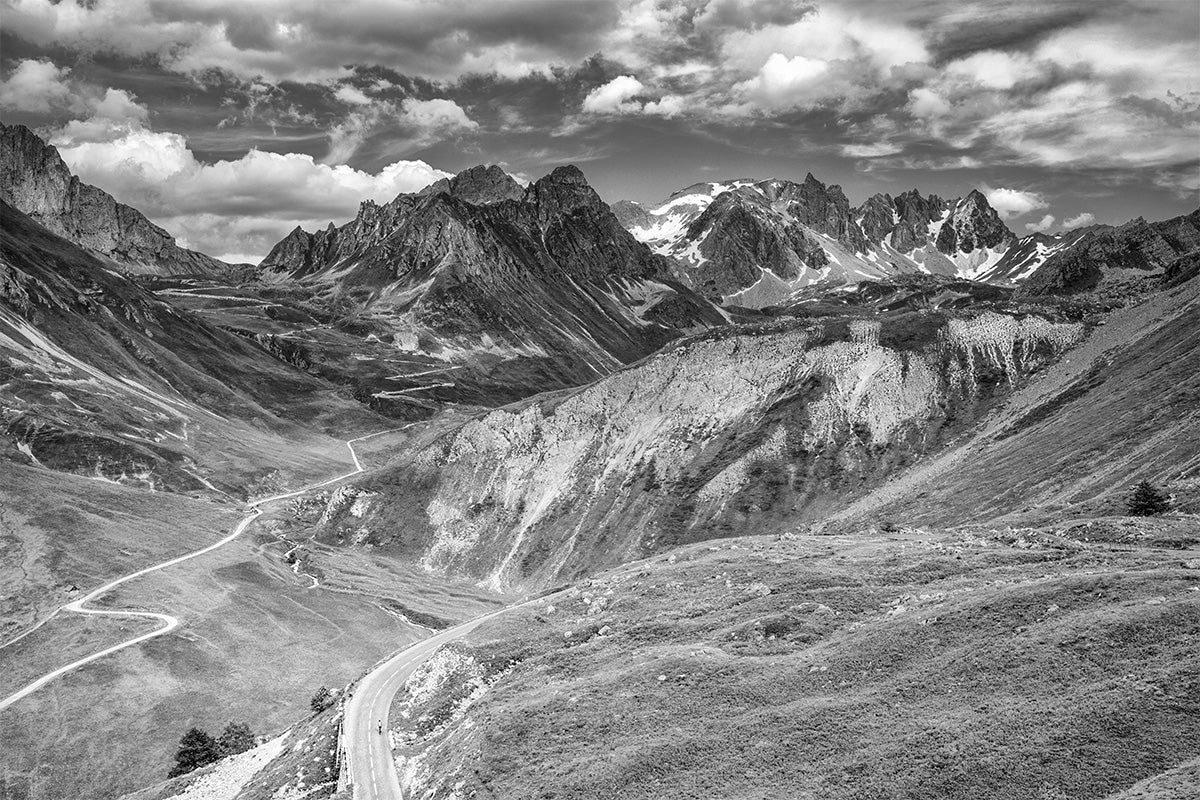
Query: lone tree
x=1146 y=501
x=196 y=749
x=322 y=700
x=236 y=738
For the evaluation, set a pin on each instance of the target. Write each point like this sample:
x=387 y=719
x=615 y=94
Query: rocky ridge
x=35 y=180
x=1137 y=245
x=541 y=286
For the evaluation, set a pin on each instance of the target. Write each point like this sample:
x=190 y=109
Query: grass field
x=954 y=664
x=254 y=644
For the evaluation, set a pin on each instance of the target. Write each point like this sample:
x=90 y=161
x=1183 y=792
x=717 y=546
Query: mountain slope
x=104 y=378
x=34 y=180
x=761 y=426
x=540 y=291
x=1125 y=406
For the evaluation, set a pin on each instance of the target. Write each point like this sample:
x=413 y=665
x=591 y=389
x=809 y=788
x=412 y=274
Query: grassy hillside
x=1123 y=406
x=982 y=663
x=255 y=643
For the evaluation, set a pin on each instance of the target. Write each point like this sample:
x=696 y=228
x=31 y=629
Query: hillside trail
x=169 y=621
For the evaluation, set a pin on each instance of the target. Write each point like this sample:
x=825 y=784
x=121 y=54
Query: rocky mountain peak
x=36 y=181
x=479 y=185
x=564 y=191
x=973 y=225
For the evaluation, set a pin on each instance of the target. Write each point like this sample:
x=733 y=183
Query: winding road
x=170 y=622
x=370 y=767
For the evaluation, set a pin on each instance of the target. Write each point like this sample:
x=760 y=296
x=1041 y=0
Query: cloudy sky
x=230 y=121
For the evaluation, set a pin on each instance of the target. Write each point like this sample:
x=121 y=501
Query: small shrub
x=236 y=738
x=322 y=700
x=196 y=749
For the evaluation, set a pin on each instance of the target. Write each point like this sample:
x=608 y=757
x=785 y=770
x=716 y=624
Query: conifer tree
x=1146 y=501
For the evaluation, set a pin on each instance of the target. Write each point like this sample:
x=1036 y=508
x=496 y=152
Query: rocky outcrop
x=540 y=291
x=35 y=180
x=740 y=429
x=973 y=225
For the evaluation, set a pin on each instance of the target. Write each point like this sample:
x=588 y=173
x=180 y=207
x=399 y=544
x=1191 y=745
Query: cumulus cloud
x=784 y=82
x=1013 y=202
x=1041 y=226
x=240 y=206
x=414 y=123
x=1080 y=221
x=829 y=54
x=35 y=85
x=614 y=97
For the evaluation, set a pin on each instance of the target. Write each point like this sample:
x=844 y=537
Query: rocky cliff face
x=736 y=430
x=783 y=236
x=34 y=180
x=540 y=290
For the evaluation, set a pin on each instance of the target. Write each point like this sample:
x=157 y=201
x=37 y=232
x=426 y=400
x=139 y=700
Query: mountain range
x=776 y=465
x=755 y=243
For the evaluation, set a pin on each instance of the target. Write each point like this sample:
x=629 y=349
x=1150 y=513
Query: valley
x=755 y=492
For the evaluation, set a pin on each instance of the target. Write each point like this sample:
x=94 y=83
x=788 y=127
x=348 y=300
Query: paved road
x=170 y=622
x=369 y=753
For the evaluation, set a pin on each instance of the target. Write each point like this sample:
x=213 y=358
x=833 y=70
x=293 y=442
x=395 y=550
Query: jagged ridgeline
x=538 y=287
x=756 y=244
x=737 y=430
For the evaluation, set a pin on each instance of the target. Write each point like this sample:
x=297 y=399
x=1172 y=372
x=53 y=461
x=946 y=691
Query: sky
x=229 y=122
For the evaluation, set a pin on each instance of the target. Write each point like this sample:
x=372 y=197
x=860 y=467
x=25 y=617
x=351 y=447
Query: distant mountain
x=756 y=243
x=542 y=284
x=35 y=180
x=1136 y=245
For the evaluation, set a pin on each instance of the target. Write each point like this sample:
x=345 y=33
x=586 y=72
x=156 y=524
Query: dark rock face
x=34 y=180
x=548 y=284
x=743 y=234
x=1182 y=269
x=973 y=224
x=479 y=185
x=824 y=209
x=630 y=214
x=1136 y=245
x=915 y=214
